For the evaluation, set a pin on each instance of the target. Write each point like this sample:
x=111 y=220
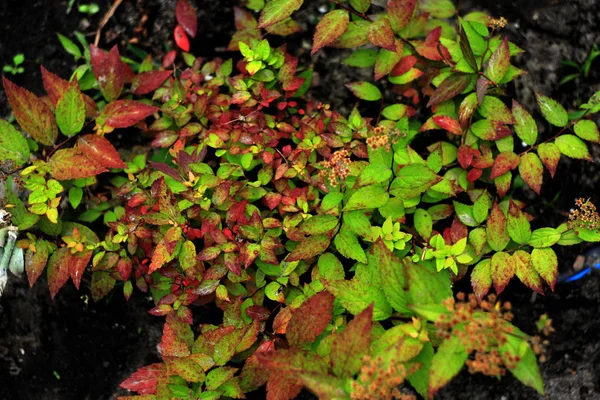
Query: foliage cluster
x=330 y=243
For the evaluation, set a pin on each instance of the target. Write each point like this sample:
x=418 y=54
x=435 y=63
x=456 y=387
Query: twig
x=105 y=19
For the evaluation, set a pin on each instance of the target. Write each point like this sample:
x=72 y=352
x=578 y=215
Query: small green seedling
x=16 y=68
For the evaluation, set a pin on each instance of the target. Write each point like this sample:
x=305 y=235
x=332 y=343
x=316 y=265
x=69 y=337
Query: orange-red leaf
x=310 y=319
x=329 y=28
x=77 y=264
x=32 y=113
x=380 y=33
x=181 y=38
x=108 y=70
x=504 y=162
x=147 y=82
x=400 y=12
x=186 y=17
x=502 y=269
x=172 y=344
x=72 y=164
x=35 y=262
x=58 y=270
x=448 y=123
x=100 y=150
x=144 y=380
x=126 y=113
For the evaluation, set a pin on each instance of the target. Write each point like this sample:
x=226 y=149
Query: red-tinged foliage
x=181 y=38
x=55 y=86
x=502 y=270
x=72 y=164
x=400 y=12
x=351 y=344
x=497 y=236
x=310 y=319
x=186 y=17
x=532 y=171
x=499 y=62
x=147 y=82
x=481 y=279
x=125 y=113
x=550 y=156
x=431 y=48
x=32 y=113
x=100 y=151
x=450 y=87
x=309 y=247
x=404 y=65
x=58 y=270
x=276 y=11
x=77 y=263
x=173 y=344
x=109 y=71
x=331 y=27
x=145 y=379
x=35 y=262
x=504 y=162
x=448 y=123
x=380 y=34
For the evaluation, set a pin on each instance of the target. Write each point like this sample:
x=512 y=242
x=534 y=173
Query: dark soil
x=73 y=349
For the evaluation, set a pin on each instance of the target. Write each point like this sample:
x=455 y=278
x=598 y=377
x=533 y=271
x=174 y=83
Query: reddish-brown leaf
x=100 y=150
x=147 y=82
x=502 y=183
x=496 y=233
x=549 y=155
x=485 y=159
x=124 y=267
x=77 y=264
x=431 y=48
x=309 y=247
x=186 y=17
x=58 y=270
x=532 y=171
x=351 y=344
x=172 y=344
x=502 y=269
x=380 y=33
x=243 y=19
x=35 y=262
x=400 y=12
x=144 y=380
x=465 y=156
x=448 y=123
x=125 y=113
x=504 y=162
x=404 y=65
x=55 y=87
x=450 y=87
x=33 y=115
x=474 y=174
x=72 y=164
x=481 y=278
x=329 y=28
x=310 y=319
x=525 y=271
x=108 y=70
x=499 y=62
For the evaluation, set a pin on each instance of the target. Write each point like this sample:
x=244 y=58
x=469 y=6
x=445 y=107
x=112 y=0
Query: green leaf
x=331 y=200
x=360 y=5
x=481 y=278
x=543 y=237
x=423 y=223
x=527 y=370
x=502 y=270
x=446 y=363
x=276 y=11
x=372 y=174
x=499 y=62
x=69 y=46
x=525 y=125
x=318 y=224
x=367 y=197
x=493 y=108
x=549 y=155
x=481 y=207
x=358 y=223
x=309 y=247
x=13 y=146
x=546 y=264
x=392 y=276
x=426 y=285
x=355 y=296
x=412 y=180
x=347 y=244
x=465 y=214
x=75 y=196
x=70 y=111
x=380 y=34
x=587 y=130
x=330 y=267
x=573 y=147
x=330 y=27
x=394 y=112
x=518 y=226
x=490 y=130
x=362 y=58
x=364 y=90
x=552 y=111
x=532 y=171
x=525 y=271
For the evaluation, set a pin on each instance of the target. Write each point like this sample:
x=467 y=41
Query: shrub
x=329 y=242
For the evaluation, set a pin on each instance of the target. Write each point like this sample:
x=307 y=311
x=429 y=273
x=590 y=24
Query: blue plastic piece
x=581 y=273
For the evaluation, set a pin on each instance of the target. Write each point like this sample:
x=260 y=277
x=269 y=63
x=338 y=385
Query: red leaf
x=271 y=200
x=448 y=123
x=404 y=65
x=124 y=268
x=147 y=82
x=431 y=48
x=126 y=113
x=55 y=87
x=309 y=247
x=450 y=87
x=100 y=150
x=502 y=269
x=144 y=380
x=172 y=344
x=258 y=312
x=33 y=114
x=474 y=174
x=310 y=319
x=181 y=38
x=36 y=262
x=77 y=264
x=186 y=17
x=465 y=156
x=243 y=19
x=352 y=344
x=380 y=33
x=329 y=28
x=108 y=70
x=169 y=59
x=72 y=164
x=504 y=162
x=485 y=159
x=58 y=270
x=400 y=12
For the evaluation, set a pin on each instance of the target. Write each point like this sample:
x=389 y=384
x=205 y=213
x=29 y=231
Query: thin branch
x=105 y=19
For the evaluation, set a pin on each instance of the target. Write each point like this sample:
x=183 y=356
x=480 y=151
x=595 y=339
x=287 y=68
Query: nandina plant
x=329 y=242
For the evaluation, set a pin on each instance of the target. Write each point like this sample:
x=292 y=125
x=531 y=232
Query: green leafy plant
x=329 y=242
x=583 y=70
x=16 y=68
